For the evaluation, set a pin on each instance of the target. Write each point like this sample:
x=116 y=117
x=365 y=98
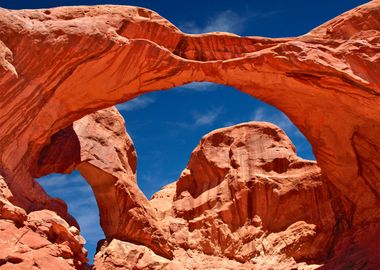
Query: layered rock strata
x=326 y=81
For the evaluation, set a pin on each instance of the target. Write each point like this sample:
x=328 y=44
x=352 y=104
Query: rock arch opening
x=326 y=81
x=103 y=153
x=98 y=147
x=79 y=197
x=166 y=126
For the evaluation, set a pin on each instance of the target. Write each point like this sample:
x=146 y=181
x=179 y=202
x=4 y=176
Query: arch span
x=63 y=64
x=98 y=146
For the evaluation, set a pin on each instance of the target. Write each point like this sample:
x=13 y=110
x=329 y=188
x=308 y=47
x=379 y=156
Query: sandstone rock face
x=245 y=201
x=108 y=162
x=244 y=182
x=102 y=151
x=38 y=240
x=124 y=255
x=326 y=81
x=246 y=196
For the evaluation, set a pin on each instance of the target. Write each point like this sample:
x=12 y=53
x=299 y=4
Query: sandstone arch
x=98 y=146
x=327 y=82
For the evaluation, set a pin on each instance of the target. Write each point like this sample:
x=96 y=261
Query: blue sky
x=166 y=126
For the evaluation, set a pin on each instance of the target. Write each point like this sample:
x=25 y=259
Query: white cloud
x=229 y=123
x=199 y=86
x=224 y=21
x=78 y=195
x=207 y=118
x=200 y=119
x=89 y=223
x=278 y=118
x=136 y=104
x=63 y=184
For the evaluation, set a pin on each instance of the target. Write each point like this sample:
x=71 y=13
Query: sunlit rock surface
x=38 y=240
x=246 y=182
x=58 y=65
x=246 y=196
x=102 y=151
x=247 y=201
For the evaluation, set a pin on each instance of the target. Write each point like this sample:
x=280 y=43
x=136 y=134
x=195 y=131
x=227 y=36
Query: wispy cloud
x=136 y=104
x=199 y=119
x=198 y=86
x=278 y=118
x=78 y=195
x=226 y=21
x=206 y=118
x=62 y=183
x=154 y=179
x=230 y=123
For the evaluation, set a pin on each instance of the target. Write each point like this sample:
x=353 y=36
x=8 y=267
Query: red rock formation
x=124 y=255
x=326 y=81
x=108 y=163
x=38 y=240
x=246 y=196
x=100 y=149
x=244 y=201
x=120 y=255
x=245 y=181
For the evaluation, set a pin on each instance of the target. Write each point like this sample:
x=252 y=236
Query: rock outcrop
x=247 y=201
x=108 y=163
x=100 y=149
x=245 y=182
x=326 y=81
x=38 y=240
x=246 y=197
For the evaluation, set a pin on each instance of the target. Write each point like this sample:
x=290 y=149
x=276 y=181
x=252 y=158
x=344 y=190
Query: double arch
x=58 y=68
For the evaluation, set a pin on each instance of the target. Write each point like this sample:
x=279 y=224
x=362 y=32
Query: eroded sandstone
x=244 y=201
x=38 y=240
x=102 y=151
x=246 y=181
x=247 y=197
x=326 y=81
